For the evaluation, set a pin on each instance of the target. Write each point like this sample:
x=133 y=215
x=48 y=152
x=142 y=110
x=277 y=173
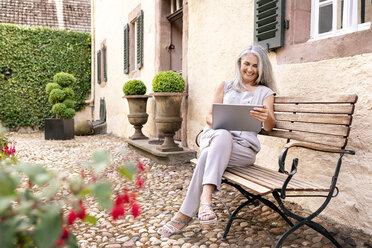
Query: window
x=337 y=17
x=175 y=5
x=102 y=64
x=269 y=23
x=133 y=44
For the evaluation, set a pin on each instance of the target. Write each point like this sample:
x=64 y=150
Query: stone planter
x=59 y=129
x=137 y=114
x=168 y=118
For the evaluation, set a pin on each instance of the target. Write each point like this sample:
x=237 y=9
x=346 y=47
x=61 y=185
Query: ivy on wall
x=29 y=58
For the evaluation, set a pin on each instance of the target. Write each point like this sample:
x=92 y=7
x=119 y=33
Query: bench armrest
x=311 y=146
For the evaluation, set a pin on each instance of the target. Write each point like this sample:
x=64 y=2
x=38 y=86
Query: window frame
x=349 y=19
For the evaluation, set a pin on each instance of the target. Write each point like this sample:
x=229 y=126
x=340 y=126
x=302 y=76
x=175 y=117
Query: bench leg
x=305 y=221
x=251 y=198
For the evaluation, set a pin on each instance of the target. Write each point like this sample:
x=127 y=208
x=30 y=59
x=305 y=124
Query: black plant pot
x=59 y=129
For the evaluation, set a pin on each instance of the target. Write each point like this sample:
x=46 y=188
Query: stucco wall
x=110 y=18
x=218 y=31
x=218 y=34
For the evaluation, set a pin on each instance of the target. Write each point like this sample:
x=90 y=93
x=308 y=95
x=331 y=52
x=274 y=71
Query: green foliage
x=59 y=108
x=134 y=87
x=68 y=113
x=34 y=55
x=168 y=81
x=59 y=97
x=69 y=92
x=64 y=79
x=56 y=96
x=69 y=103
x=34 y=216
x=51 y=86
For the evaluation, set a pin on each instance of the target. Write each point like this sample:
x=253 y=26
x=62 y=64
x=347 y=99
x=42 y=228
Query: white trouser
x=220 y=152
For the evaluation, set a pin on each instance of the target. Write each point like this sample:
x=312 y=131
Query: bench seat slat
x=296 y=182
x=337 y=119
x=324 y=139
x=258 y=189
x=272 y=179
x=340 y=98
x=315 y=108
x=313 y=127
x=275 y=182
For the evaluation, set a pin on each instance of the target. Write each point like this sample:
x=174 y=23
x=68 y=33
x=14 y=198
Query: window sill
x=361 y=27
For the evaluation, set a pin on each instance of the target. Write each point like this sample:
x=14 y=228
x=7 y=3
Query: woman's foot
x=206 y=214
x=175 y=225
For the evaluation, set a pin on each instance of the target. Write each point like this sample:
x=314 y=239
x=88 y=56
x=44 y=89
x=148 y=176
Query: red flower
x=135 y=209
x=119 y=200
x=72 y=216
x=82 y=213
x=65 y=233
x=60 y=242
x=117 y=211
x=126 y=197
x=141 y=166
x=140 y=182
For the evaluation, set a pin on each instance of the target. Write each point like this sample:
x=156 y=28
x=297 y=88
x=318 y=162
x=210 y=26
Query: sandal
x=172 y=230
x=207 y=211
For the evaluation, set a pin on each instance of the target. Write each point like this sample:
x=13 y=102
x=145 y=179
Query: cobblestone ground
x=165 y=187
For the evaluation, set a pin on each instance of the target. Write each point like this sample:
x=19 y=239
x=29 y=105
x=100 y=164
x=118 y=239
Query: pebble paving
x=165 y=187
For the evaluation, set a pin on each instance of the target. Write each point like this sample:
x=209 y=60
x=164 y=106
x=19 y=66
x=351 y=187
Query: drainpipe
x=90 y=101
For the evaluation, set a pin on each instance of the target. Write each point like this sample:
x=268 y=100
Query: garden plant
x=61 y=95
x=134 y=91
x=168 y=81
x=134 y=87
x=35 y=213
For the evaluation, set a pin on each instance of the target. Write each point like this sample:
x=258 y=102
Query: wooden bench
x=316 y=123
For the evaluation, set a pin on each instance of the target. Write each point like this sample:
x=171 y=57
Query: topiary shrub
x=61 y=94
x=168 y=81
x=134 y=87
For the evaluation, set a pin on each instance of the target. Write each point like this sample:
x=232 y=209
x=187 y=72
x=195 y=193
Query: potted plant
x=134 y=91
x=168 y=88
x=60 y=97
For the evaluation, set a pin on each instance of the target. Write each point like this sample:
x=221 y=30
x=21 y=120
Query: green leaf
x=101 y=159
x=37 y=174
x=128 y=170
x=7 y=184
x=90 y=219
x=7 y=234
x=48 y=228
x=103 y=192
x=51 y=190
x=5 y=202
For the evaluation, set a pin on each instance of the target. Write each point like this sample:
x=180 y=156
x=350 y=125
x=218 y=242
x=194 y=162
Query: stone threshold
x=170 y=158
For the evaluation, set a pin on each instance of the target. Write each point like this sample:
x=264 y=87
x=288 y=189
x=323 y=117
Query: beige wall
x=213 y=46
x=110 y=18
x=218 y=31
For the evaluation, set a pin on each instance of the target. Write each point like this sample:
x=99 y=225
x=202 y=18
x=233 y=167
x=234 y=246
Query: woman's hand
x=260 y=114
x=265 y=114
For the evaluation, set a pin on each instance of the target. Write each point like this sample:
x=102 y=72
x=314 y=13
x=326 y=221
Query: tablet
x=235 y=117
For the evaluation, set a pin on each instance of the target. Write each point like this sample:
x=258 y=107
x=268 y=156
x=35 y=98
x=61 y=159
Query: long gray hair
x=265 y=71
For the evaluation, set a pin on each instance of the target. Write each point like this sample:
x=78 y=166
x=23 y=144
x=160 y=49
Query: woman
x=221 y=148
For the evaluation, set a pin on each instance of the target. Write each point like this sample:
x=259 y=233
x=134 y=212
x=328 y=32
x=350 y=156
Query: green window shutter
x=269 y=23
x=140 y=40
x=99 y=67
x=126 y=49
x=104 y=54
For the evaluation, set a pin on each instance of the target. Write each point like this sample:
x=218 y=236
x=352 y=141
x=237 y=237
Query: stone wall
x=63 y=14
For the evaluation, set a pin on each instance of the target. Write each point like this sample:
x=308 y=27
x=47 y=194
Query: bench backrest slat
x=321 y=120
x=316 y=108
x=338 y=99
